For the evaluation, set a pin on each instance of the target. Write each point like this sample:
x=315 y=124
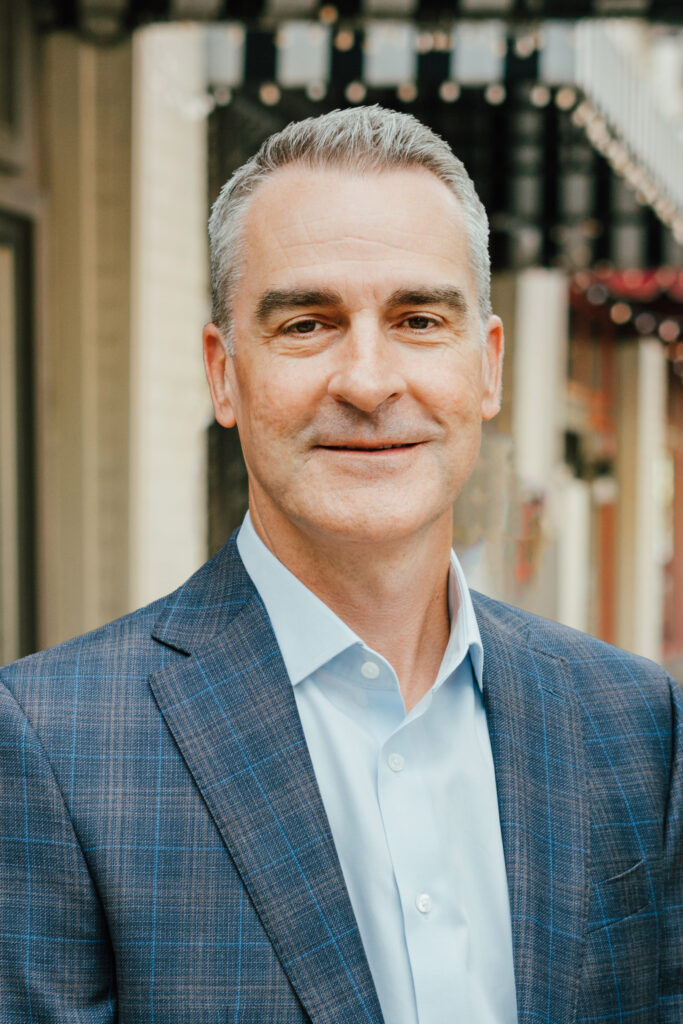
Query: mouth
x=369 y=449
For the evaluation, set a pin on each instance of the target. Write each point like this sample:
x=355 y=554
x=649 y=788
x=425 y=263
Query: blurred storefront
x=627 y=375
x=116 y=142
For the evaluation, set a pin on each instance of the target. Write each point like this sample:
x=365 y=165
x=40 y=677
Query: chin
x=379 y=524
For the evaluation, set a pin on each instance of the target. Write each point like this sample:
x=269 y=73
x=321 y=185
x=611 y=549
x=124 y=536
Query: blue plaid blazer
x=165 y=856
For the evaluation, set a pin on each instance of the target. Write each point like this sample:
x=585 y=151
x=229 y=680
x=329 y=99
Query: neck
x=393 y=594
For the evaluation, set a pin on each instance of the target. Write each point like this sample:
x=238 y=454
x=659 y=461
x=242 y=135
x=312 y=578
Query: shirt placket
x=435 y=941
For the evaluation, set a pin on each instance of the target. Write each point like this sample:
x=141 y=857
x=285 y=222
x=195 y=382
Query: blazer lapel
x=232 y=712
x=536 y=738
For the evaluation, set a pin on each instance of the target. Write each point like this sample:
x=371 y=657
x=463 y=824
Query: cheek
x=454 y=378
x=277 y=409
x=457 y=399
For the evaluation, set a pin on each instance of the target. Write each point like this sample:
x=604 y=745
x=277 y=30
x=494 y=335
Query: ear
x=492 y=368
x=219 y=374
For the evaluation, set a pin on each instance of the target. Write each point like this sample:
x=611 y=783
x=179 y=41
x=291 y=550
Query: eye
x=302 y=327
x=419 y=322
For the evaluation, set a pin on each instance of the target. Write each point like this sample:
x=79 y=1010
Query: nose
x=368 y=374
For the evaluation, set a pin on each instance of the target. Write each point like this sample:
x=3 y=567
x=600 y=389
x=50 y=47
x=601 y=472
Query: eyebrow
x=446 y=295
x=279 y=299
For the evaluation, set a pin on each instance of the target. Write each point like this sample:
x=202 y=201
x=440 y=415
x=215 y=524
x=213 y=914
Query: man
x=322 y=781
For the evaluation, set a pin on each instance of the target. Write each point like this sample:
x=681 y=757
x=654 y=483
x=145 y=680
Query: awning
x=566 y=145
x=574 y=159
x=633 y=302
x=110 y=18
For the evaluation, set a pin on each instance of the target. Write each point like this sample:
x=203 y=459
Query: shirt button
x=395 y=762
x=423 y=902
x=369 y=669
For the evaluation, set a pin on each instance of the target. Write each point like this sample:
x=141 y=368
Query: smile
x=369 y=449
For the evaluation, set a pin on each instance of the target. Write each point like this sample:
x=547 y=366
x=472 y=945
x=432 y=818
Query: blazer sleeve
x=55 y=956
x=671 y=976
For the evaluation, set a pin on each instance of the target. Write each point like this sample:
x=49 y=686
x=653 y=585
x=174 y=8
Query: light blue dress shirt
x=411 y=800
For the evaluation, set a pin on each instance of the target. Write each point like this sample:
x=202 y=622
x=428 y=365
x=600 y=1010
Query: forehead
x=311 y=223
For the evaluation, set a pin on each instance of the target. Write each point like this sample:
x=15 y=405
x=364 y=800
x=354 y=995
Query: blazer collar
x=203 y=607
x=536 y=737
x=231 y=709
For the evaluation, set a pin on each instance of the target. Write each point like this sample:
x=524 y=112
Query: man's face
x=359 y=379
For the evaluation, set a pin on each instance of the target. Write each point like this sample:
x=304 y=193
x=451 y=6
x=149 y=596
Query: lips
x=364 y=447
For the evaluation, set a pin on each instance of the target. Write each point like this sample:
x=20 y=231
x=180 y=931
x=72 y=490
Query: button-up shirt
x=411 y=801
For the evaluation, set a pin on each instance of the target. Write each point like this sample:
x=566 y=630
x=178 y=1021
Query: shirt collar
x=309 y=634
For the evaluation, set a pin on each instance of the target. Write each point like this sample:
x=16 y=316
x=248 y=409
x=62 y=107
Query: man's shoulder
x=129 y=633
x=102 y=670
x=598 y=671
x=107 y=670
x=141 y=636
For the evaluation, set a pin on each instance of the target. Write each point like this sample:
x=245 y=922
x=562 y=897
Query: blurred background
x=119 y=122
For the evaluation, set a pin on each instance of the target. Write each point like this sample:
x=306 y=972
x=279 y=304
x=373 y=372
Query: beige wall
x=84 y=428
x=170 y=406
x=125 y=406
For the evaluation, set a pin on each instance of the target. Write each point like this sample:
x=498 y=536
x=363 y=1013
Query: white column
x=169 y=399
x=539 y=375
x=642 y=412
x=573 y=502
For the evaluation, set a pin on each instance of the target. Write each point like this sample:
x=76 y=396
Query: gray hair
x=362 y=139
